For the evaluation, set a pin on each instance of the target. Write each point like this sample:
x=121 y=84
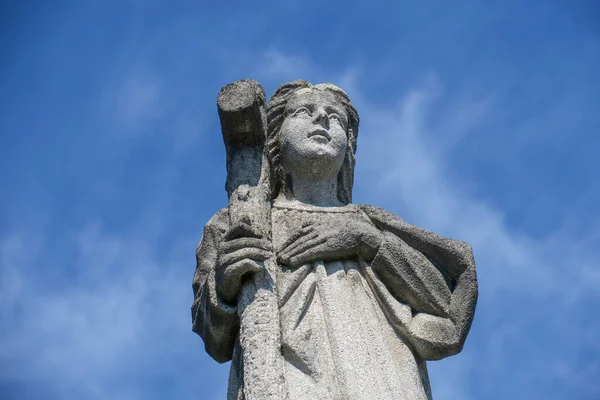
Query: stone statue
x=309 y=295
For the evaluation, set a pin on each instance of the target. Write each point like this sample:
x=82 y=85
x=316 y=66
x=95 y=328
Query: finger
x=300 y=249
x=292 y=239
x=250 y=252
x=240 y=243
x=299 y=242
x=320 y=251
x=235 y=271
x=231 y=278
x=306 y=223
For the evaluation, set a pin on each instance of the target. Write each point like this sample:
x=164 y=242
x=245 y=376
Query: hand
x=345 y=238
x=238 y=258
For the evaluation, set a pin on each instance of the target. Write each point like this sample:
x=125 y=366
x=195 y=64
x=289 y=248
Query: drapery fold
x=352 y=329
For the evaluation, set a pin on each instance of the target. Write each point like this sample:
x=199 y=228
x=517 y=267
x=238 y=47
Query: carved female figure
x=364 y=298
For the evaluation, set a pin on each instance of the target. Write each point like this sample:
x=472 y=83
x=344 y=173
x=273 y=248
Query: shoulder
x=378 y=215
x=213 y=230
x=216 y=226
x=219 y=221
x=387 y=220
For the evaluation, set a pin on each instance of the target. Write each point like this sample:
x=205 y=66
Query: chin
x=321 y=153
x=319 y=149
x=315 y=159
x=322 y=163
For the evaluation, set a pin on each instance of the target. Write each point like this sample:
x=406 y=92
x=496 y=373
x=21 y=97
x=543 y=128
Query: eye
x=302 y=111
x=337 y=117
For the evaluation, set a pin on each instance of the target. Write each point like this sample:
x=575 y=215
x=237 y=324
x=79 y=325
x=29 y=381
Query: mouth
x=320 y=132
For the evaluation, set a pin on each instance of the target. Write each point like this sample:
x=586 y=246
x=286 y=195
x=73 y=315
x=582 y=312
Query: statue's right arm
x=214 y=320
x=436 y=315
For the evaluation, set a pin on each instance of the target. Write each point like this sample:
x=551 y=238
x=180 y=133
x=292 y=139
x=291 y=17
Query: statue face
x=313 y=134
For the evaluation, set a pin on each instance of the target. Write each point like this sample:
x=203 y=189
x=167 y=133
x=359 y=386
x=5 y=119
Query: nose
x=321 y=117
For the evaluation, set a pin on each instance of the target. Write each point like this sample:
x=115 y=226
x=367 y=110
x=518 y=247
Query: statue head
x=312 y=131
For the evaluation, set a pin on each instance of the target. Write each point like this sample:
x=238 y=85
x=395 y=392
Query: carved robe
x=350 y=329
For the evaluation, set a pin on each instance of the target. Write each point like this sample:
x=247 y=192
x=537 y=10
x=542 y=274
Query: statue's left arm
x=427 y=284
x=216 y=321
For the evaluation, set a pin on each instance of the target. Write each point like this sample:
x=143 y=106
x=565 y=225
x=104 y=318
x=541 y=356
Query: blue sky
x=479 y=120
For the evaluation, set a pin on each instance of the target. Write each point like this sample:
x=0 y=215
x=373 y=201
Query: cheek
x=339 y=138
x=290 y=139
x=291 y=131
x=295 y=126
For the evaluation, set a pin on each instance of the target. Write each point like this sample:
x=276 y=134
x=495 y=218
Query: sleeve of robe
x=426 y=283
x=215 y=321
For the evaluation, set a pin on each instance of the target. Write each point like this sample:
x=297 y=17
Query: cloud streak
x=521 y=277
x=103 y=331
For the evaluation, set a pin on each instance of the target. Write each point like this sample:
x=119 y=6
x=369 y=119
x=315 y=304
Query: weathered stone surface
x=309 y=295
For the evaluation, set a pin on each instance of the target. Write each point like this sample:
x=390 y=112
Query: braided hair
x=276 y=115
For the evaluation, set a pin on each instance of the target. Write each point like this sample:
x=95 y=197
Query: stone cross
x=309 y=295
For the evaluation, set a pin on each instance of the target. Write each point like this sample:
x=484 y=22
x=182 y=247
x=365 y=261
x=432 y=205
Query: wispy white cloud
x=401 y=147
x=403 y=150
x=136 y=100
x=119 y=319
x=279 y=67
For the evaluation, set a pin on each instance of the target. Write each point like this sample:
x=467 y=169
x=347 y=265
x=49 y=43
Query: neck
x=318 y=192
